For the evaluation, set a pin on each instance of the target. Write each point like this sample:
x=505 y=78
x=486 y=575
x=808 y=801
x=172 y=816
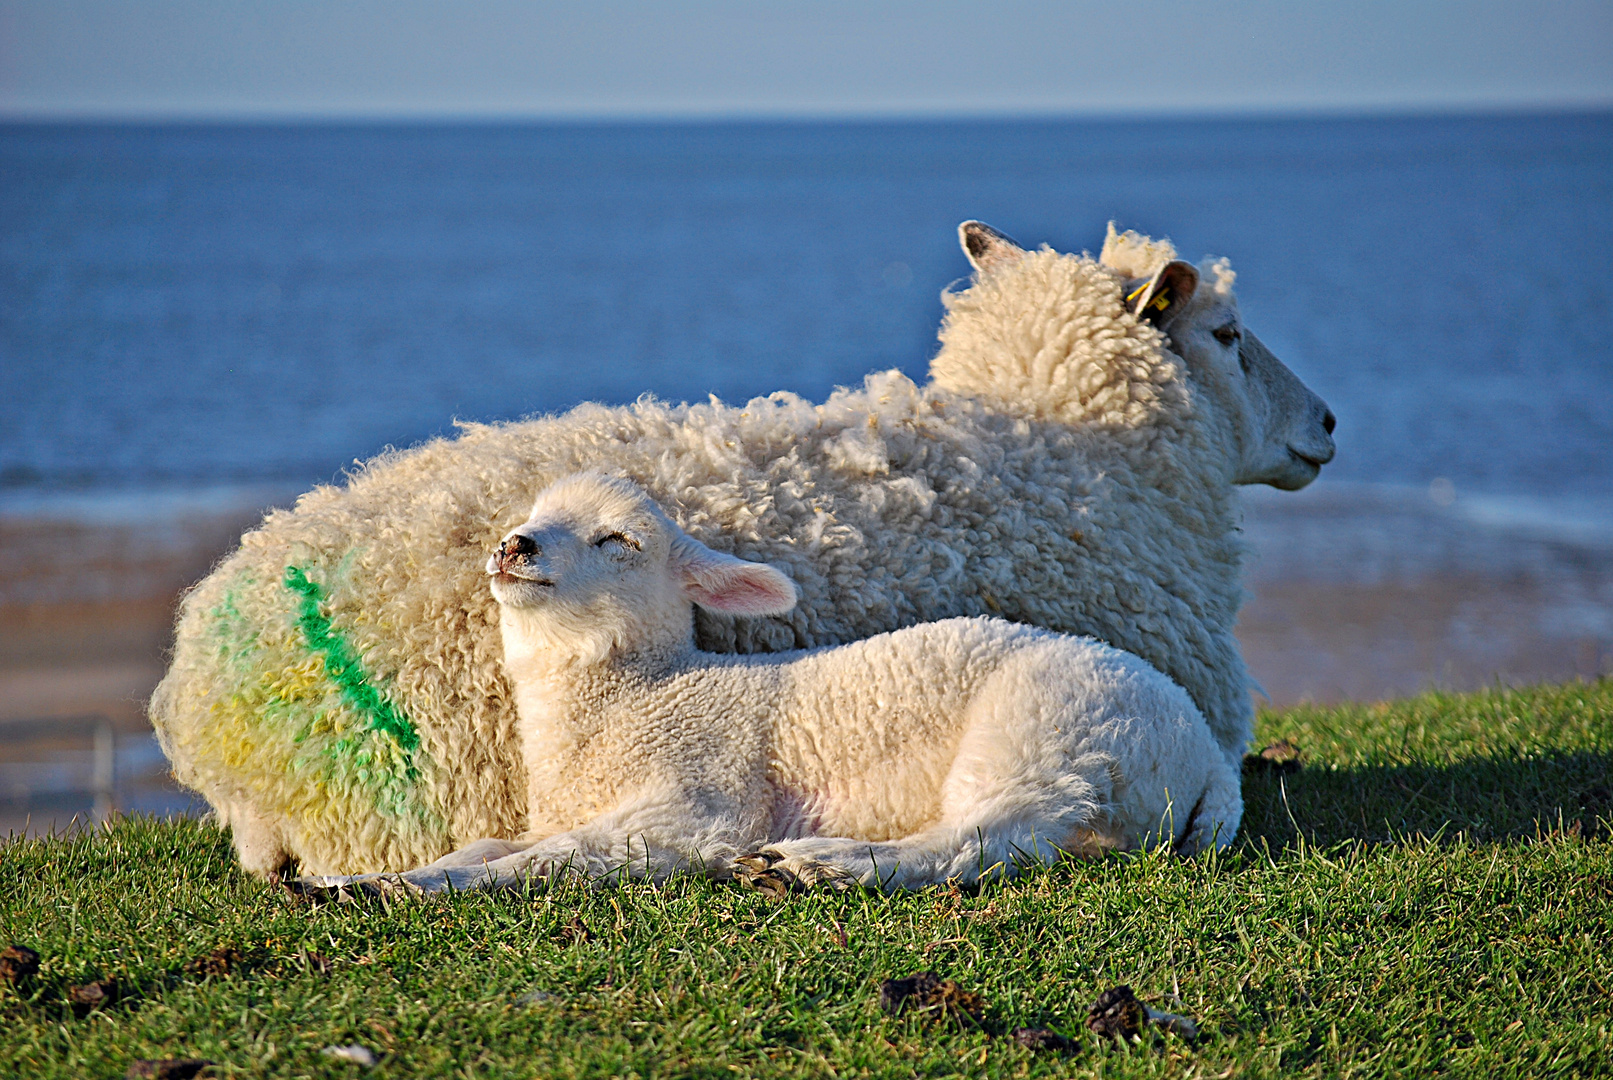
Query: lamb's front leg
x=469 y=867
x=650 y=838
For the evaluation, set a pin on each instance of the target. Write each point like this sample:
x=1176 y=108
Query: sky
x=167 y=59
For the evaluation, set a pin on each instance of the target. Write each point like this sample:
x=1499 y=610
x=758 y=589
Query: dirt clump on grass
x=1280 y=757
x=1117 y=1014
x=1040 y=1038
x=18 y=962
x=92 y=995
x=572 y=932
x=166 y=1069
x=220 y=961
x=925 y=991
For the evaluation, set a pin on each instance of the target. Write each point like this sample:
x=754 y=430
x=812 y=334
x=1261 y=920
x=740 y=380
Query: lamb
x=943 y=751
x=337 y=691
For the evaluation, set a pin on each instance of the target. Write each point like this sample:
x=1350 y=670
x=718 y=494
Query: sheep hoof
x=757 y=871
x=340 y=890
x=775 y=875
x=300 y=891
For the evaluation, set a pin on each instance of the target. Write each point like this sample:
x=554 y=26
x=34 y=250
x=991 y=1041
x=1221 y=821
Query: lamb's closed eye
x=621 y=539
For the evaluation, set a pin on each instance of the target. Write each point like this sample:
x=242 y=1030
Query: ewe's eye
x=1227 y=334
x=617 y=538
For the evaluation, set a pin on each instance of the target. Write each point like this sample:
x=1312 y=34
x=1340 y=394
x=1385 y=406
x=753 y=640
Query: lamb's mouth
x=504 y=577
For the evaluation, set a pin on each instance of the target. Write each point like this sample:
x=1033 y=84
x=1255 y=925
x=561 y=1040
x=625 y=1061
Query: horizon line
x=336 y=116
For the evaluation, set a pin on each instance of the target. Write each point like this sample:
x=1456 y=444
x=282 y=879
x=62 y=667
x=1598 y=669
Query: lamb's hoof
x=775 y=875
x=758 y=871
x=341 y=890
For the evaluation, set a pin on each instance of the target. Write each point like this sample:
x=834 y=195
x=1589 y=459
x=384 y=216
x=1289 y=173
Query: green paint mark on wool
x=344 y=669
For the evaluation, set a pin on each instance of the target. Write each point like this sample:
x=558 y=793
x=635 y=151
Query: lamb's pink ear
x=985 y=246
x=733 y=586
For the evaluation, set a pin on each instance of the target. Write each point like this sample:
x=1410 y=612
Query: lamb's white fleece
x=943 y=751
x=336 y=690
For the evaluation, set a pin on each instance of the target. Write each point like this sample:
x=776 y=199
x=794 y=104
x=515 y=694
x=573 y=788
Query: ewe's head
x=1280 y=432
x=599 y=567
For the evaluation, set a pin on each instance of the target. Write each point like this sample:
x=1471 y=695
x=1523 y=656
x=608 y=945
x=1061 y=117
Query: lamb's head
x=1280 y=433
x=598 y=568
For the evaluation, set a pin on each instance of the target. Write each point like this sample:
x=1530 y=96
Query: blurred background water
x=199 y=321
x=194 y=306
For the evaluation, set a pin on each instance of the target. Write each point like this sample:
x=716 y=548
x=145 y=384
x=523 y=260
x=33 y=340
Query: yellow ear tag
x=1137 y=292
x=1161 y=302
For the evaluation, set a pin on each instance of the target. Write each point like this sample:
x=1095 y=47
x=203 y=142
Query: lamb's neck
x=561 y=677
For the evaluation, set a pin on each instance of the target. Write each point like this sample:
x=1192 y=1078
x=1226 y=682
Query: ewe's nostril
x=1329 y=422
x=520 y=545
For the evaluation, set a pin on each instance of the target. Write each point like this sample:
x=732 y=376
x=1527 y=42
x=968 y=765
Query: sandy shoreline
x=1356 y=596
x=1305 y=641
x=86 y=621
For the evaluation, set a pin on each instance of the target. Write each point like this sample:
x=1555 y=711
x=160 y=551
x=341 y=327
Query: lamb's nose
x=518 y=545
x=1329 y=422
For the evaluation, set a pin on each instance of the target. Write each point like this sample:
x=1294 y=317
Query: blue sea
x=197 y=322
x=184 y=309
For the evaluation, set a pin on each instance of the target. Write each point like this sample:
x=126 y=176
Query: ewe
x=336 y=689
x=943 y=751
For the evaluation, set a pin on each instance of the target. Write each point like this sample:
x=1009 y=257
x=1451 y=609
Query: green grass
x=1430 y=894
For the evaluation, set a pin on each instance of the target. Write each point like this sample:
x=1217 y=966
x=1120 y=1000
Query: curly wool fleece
x=336 y=690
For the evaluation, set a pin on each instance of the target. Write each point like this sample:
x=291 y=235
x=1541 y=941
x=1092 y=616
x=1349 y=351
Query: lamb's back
x=864 y=733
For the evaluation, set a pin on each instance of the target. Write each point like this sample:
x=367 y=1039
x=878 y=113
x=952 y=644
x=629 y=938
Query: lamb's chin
x=512 y=591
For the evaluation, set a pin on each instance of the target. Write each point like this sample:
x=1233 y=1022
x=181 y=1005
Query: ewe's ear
x=733 y=586
x=1159 y=298
x=985 y=246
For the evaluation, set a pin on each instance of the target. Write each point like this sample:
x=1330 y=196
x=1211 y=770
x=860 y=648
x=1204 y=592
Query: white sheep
x=946 y=750
x=337 y=690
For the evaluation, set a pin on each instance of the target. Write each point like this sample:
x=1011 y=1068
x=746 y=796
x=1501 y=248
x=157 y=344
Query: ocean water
x=191 y=309
x=199 y=322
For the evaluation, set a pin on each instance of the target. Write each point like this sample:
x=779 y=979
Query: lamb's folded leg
x=1215 y=819
x=937 y=855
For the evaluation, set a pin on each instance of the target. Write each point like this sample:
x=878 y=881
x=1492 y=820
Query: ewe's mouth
x=1314 y=462
x=1301 y=471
